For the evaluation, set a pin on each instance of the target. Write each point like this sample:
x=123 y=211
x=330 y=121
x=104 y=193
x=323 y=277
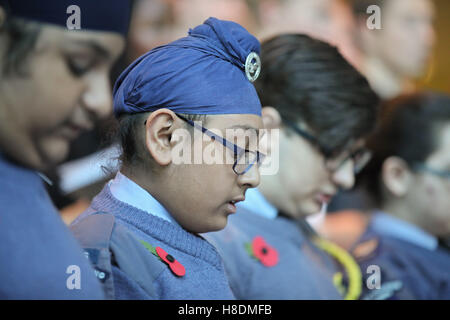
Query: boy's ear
x=2 y=16
x=270 y=117
x=271 y=120
x=396 y=176
x=159 y=128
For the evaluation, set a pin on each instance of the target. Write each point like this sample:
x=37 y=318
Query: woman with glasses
x=174 y=98
x=323 y=109
x=409 y=181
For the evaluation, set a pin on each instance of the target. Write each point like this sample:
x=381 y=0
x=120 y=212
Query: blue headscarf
x=99 y=15
x=208 y=72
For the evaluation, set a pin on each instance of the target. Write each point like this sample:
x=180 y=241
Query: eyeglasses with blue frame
x=360 y=157
x=445 y=174
x=244 y=159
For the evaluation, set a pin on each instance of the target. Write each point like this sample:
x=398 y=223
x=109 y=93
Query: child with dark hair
x=322 y=108
x=54 y=85
x=147 y=220
x=409 y=179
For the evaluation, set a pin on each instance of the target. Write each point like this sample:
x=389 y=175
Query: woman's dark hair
x=409 y=128
x=308 y=81
x=22 y=36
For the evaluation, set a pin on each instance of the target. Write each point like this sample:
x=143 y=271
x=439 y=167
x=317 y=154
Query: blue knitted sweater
x=205 y=275
x=36 y=248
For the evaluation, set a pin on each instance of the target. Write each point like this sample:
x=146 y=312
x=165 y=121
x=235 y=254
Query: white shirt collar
x=389 y=225
x=126 y=190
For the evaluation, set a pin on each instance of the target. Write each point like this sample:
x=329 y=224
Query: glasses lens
x=244 y=162
x=360 y=159
x=436 y=172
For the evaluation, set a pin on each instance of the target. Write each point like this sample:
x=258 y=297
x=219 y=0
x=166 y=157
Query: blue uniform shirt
x=127 y=191
x=411 y=264
x=303 y=271
x=36 y=248
x=205 y=275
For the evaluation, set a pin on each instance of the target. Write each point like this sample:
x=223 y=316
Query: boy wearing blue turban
x=154 y=209
x=55 y=57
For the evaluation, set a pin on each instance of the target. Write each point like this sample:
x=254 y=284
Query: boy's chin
x=54 y=152
x=307 y=209
x=211 y=227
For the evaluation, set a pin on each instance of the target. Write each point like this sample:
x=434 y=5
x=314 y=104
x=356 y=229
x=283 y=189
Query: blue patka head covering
x=208 y=72
x=98 y=15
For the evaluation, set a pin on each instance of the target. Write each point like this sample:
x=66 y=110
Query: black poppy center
x=264 y=250
x=170 y=258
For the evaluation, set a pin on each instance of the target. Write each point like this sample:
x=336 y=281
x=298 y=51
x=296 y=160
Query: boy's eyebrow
x=98 y=48
x=243 y=126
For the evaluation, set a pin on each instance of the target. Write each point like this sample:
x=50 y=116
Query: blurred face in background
x=157 y=22
x=406 y=40
x=190 y=13
x=311 y=17
x=64 y=89
x=418 y=195
x=327 y=20
x=151 y=26
x=429 y=194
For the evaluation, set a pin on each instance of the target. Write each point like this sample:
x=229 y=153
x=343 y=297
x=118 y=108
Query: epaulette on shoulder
x=107 y=243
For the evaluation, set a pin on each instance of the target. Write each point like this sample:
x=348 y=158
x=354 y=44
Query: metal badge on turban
x=252 y=66
x=210 y=71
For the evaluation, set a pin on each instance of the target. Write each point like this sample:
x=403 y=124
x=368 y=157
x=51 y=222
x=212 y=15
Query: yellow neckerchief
x=350 y=266
x=343 y=257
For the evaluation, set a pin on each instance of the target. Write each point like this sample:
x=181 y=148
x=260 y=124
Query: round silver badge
x=252 y=66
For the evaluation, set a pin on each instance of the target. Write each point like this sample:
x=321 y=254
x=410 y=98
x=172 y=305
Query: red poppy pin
x=176 y=267
x=262 y=251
